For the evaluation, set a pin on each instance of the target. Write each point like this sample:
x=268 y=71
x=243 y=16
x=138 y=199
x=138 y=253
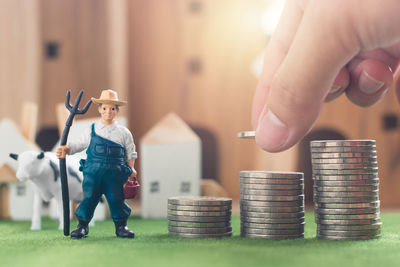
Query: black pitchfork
x=63 y=168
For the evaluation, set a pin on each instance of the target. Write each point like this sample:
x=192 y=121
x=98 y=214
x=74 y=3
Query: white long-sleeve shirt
x=114 y=132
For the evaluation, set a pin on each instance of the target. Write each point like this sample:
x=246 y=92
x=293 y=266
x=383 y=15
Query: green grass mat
x=153 y=247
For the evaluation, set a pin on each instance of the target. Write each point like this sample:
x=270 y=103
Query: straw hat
x=109 y=97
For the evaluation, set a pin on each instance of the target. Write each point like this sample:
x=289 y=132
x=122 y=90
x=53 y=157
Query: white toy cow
x=43 y=170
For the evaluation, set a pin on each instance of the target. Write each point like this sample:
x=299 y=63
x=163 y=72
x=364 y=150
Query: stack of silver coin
x=346 y=195
x=271 y=204
x=199 y=217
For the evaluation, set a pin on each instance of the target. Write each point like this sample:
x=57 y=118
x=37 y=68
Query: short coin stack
x=271 y=204
x=346 y=196
x=199 y=217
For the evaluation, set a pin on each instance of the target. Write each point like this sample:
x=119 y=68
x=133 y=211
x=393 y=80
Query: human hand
x=133 y=175
x=62 y=151
x=319 y=50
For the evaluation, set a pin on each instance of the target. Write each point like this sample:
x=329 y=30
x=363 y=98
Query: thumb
x=303 y=80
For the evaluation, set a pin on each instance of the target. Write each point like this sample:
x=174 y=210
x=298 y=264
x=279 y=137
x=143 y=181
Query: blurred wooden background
x=192 y=57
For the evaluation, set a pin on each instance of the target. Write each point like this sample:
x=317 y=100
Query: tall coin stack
x=199 y=217
x=346 y=195
x=271 y=204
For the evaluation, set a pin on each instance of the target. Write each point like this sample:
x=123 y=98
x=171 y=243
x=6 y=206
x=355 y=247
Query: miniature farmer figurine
x=110 y=162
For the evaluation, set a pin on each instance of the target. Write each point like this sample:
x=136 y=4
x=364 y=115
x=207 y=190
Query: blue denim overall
x=105 y=172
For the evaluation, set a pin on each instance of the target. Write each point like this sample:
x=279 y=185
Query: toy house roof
x=170 y=129
x=12 y=141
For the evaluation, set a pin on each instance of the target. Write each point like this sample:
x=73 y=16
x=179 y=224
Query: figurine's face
x=108 y=113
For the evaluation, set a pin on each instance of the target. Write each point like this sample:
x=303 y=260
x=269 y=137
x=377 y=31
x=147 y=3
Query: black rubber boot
x=81 y=231
x=121 y=230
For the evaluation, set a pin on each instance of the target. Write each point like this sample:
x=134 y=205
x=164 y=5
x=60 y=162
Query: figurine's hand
x=133 y=175
x=319 y=50
x=62 y=151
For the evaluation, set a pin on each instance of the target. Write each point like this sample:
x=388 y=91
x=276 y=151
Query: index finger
x=274 y=55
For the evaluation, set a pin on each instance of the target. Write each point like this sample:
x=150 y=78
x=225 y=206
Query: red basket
x=131 y=188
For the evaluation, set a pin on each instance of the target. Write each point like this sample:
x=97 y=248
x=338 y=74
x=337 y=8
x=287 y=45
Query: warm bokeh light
x=271 y=17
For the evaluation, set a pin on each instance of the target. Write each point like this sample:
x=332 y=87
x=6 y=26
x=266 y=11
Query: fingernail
x=262 y=115
x=335 y=88
x=369 y=84
x=274 y=132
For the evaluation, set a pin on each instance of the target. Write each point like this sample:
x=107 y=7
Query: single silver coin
x=346 y=194
x=200 y=213
x=347 y=238
x=345 y=160
x=269 y=220
x=349 y=233
x=355 y=195
x=347 y=177
x=354 y=166
x=272 y=215
x=259 y=192
x=199 y=208
x=271 y=174
x=271 y=187
x=200 y=201
x=197 y=230
x=333 y=227
x=271 y=231
x=328 y=143
x=322 y=183
x=345 y=199
x=189 y=235
x=341 y=172
x=350 y=237
x=347 y=211
x=270 y=209
x=272 y=236
x=365 y=188
x=257 y=203
x=245 y=230
x=199 y=224
x=198 y=218
x=322 y=155
x=348 y=216
x=374 y=204
x=247 y=134
x=344 y=149
x=271 y=181
x=272 y=198
x=272 y=226
x=332 y=198
x=347 y=222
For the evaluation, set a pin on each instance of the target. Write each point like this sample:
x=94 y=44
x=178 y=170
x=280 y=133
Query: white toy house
x=16 y=197
x=170 y=155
